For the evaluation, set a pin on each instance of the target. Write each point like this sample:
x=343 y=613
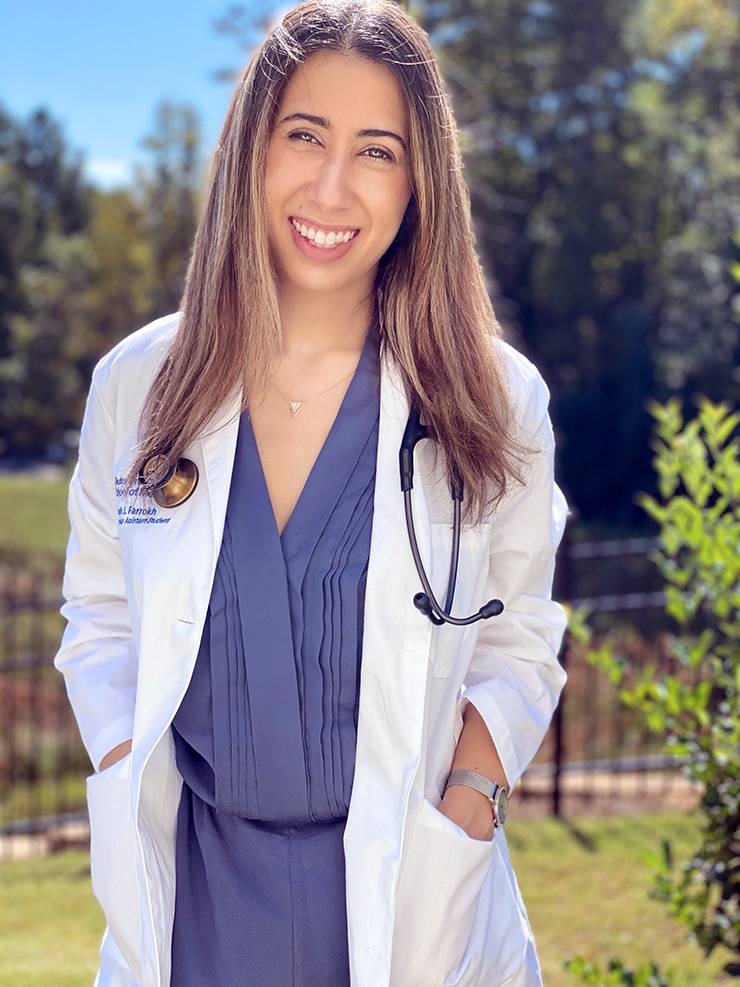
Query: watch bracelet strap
x=473 y=779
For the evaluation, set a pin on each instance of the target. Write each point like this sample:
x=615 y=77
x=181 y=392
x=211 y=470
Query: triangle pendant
x=295 y=407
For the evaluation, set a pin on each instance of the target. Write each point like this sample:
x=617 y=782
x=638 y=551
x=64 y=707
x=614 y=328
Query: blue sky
x=100 y=67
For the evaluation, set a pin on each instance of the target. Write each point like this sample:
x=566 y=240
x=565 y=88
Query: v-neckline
x=330 y=436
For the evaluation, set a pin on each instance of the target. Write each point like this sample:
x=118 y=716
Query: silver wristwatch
x=497 y=795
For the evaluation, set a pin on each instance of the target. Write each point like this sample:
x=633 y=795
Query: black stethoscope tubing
x=426 y=602
x=181 y=478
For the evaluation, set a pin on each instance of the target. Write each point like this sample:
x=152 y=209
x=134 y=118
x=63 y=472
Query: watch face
x=502 y=803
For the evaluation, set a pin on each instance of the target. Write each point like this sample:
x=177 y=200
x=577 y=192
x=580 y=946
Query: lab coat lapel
x=178 y=577
x=395 y=657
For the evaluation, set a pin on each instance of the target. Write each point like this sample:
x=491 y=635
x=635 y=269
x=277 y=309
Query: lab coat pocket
x=495 y=954
x=113 y=856
x=438 y=890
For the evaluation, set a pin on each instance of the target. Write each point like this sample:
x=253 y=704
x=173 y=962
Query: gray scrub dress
x=265 y=734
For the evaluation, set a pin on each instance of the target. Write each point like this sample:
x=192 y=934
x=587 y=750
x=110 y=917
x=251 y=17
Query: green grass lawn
x=584 y=882
x=35 y=513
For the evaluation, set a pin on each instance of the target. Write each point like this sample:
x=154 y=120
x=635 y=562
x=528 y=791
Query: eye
x=387 y=156
x=297 y=134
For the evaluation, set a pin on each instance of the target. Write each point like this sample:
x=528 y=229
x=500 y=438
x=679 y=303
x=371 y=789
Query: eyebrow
x=323 y=122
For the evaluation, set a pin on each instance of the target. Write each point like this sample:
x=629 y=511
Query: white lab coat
x=427 y=905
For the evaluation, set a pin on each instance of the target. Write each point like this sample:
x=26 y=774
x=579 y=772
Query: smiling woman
x=339 y=124
x=299 y=780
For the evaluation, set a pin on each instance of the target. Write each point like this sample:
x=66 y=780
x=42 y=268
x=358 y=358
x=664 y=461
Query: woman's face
x=326 y=174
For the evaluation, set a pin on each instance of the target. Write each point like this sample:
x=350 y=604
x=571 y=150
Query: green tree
x=45 y=264
x=598 y=143
x=166 y=190
x=82 y=267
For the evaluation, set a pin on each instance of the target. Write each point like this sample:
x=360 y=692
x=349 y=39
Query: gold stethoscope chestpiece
x=175 y=485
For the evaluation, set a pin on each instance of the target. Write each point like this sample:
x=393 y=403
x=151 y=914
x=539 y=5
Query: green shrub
x=697 y=714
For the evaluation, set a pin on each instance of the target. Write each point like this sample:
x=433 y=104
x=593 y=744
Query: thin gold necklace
x=295 y=406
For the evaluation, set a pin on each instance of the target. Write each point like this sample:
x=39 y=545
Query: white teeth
x=321 y=239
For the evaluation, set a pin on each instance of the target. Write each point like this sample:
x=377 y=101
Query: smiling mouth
x=323 y=239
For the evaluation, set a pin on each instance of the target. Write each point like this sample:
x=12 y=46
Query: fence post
x=562 y=592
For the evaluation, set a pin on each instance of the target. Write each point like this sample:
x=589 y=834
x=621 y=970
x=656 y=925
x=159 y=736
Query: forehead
x=347 y=89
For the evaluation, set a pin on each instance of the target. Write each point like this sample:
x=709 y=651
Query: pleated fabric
x=265 y=735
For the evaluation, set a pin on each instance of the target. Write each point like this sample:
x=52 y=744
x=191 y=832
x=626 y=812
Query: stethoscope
x=180 y=479
x=426 y=602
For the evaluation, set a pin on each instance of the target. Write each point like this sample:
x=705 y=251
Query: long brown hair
x=431 y=304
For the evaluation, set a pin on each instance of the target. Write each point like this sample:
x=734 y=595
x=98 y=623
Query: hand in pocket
x=470 y=809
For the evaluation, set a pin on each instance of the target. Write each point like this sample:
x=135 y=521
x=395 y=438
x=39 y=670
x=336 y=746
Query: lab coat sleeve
x=514 y=678
x=96 y=656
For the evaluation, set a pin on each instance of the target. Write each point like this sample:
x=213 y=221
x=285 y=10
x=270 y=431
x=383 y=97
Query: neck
x=314 y=323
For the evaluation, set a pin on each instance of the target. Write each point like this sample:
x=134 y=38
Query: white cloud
x=107 y=172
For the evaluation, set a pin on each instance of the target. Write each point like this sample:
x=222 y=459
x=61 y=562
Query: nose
x=332 y=186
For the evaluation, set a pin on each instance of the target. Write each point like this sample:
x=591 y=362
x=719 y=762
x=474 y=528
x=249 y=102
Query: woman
x=272 y=722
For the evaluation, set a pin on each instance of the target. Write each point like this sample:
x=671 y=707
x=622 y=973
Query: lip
x=320 y=253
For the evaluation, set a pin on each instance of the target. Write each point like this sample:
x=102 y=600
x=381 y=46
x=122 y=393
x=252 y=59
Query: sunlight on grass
x=585 y=884
x=35 y=512
x=52 y=925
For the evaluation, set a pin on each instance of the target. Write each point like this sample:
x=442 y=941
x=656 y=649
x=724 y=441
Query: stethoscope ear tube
x=426 y=602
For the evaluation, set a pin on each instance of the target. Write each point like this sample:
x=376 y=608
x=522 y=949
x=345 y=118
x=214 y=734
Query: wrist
x=496 y=794
x=470 y=810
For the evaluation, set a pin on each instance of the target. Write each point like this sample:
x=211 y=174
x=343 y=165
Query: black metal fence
x=597 y=756
x=43 y=764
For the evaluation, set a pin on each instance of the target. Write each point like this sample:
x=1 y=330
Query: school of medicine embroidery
x=133 y=513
